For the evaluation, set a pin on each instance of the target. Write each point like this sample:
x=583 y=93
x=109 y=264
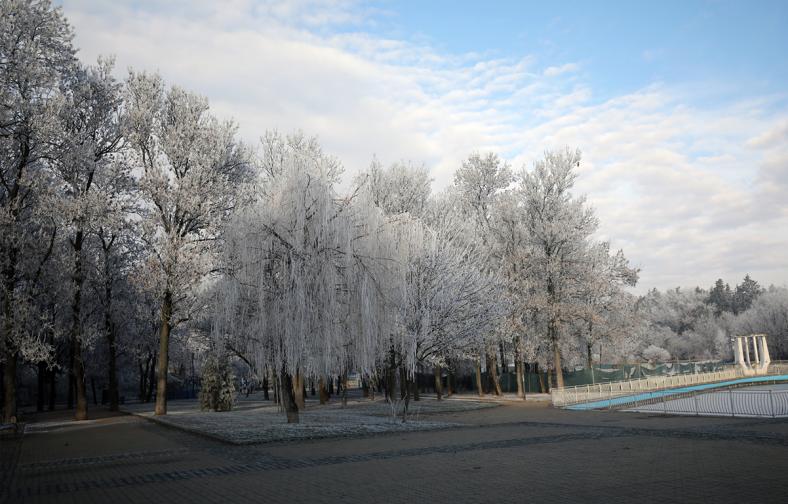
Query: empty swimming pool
x=707 y=399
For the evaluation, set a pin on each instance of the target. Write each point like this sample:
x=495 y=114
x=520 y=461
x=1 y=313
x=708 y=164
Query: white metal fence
x=586 y=393
x=778 y=367
x=734 y=403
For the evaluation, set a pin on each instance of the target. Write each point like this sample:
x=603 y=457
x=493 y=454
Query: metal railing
x=734 y=403
x=586 y=393
x=778 y=367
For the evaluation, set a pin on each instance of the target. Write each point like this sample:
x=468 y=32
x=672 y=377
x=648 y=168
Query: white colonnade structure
x=755 y=362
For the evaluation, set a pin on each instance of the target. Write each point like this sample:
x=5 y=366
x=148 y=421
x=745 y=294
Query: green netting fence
x=606 y=373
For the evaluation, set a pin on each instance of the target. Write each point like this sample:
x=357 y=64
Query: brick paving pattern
x=513 y=453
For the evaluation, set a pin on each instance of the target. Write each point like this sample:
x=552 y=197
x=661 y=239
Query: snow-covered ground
x=255 y=421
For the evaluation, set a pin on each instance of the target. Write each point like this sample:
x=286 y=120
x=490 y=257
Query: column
x=765 y=350
x=738 y=352
x=747 y=350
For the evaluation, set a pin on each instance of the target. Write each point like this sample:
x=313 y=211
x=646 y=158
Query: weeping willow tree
x=303 y=296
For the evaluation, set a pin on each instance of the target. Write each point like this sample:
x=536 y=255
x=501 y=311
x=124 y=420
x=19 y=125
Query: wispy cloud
x=555 y=71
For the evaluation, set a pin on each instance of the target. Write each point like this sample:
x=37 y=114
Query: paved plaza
x=516 y=452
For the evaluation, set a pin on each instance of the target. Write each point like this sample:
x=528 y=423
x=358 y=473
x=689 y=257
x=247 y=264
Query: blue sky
x=622 y=45
x=680 y=108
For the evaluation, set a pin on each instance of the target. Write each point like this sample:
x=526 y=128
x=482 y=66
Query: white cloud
x=555 y=71
x=691 y=194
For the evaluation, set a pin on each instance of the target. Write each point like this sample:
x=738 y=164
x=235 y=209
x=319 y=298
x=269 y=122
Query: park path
x=513 y=453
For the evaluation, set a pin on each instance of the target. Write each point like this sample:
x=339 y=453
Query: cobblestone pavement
x=513 y=453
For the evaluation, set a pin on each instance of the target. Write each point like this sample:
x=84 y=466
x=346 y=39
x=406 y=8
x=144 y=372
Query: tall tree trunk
x=93 y=389
x=344 y=389
x=552 y=332
x=298 y=391
x=559 y=372
x=143 y=373
x=407 y=402
x=388 y=383
x=542 y=387
x=590 y=345
x=9 y=285
x=265 y=387
x=403 y=381
x=114 y=394
x=322 y=390
x=42 y=378
x=449 y=390
x=193 y=378
x=52 y=388
x=589 y=359
x=492 y=374
x=164 y=353
x=391 y=381
x=70 y=375
x=479 y=385
x=9 y=387
x=287 y=397
x=109 y=327
x=151 y=378
x=81 y=412
x=438 y=383
x=519 y=370
x=449 y=378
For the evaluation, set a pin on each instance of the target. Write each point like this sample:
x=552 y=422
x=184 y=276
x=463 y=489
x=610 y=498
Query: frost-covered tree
x=293 y=262
x=683 y=323
x=653 y=353
x=558 y=228
x=478 y=184
x=604 y=307
x=447 y=301
x=118 y=253
x=88 y=136
x=512 y=247
x=35 y=57
x=193 y=169
x=478 y=181
x=400 y=188
x=768 y=315
x=401 y=195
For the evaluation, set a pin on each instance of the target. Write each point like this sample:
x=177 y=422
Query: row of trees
x=391 y=277
x=138 y=232
x=113 y=195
